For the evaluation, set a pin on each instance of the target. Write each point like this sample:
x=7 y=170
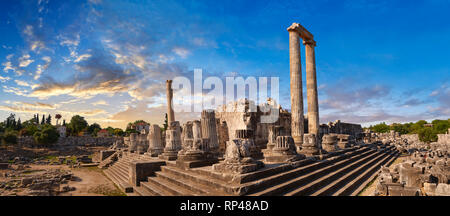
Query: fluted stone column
x=169 y=93
x=311 y=88
x=209 y=129
x=154 y=138
x=133 y=142
x=196 y=129
x=297 y=127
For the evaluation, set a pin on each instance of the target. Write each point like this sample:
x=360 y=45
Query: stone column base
x=192 y=159
x=169 y=155
x=237 y=168
x=329 y=148
x=343 y=145
x=309 y=151
x=155 y=152
x=286 y=156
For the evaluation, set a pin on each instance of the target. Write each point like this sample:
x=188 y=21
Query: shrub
x=10 y=137
x=47 y=136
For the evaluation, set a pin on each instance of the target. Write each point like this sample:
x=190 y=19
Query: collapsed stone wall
x=411 y=137
x=443 y=138
x=71 y=141
x=339 y=127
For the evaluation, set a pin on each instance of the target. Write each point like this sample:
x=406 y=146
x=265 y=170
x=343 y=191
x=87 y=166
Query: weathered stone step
x=123 y=168
x=172 y=188
x=186 y=183
x=306 y=177
x=154 y=189
x=141 y=191
x=259 y=176
x=215 y=184
x=322 y=181
x=349 y=176
x=124 y=186
x=260 y=187
x=361 y=183
x=123 y=176
x=365 y=174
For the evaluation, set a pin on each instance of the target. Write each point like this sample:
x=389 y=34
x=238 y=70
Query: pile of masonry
x=17 y=180
x=424 y=172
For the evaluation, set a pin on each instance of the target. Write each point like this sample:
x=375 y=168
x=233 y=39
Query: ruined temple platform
x=345 y=172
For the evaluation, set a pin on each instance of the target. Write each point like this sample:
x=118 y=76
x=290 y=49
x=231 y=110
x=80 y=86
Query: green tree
x=9 y=137
x=48 y=120
x=416 y=127
x=19 y=125
x=43 y=120
x=380 y=128
x=77 y=124
x=427 y=135
x=441 y=126
x=118 y=132
x=47 y=136
x=166 y=122
x=129 y=131
x=10 y=121
x=92 y=128
x=110 y=130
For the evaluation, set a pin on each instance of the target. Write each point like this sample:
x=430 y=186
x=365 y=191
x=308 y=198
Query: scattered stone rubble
x=424 y=172
x=23 y=182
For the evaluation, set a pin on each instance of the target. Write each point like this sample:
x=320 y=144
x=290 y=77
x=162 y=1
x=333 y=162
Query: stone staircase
x=345 y=172
x=119 y=171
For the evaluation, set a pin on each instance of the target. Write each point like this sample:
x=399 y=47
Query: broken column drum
x=238 y=155
x=209 y=129
x=309 y=147
x=329 y=142
x=133 y=142
x=154 y=138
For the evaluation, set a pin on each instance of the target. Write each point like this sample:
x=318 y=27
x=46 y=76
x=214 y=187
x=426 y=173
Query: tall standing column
x=311 y=88
x=296 y=88
x=169 y=93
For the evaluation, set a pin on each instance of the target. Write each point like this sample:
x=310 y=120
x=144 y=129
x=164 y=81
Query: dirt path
x=88 y=181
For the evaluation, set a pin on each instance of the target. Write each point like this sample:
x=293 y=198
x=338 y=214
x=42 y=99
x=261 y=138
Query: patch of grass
x=106 y=191
x=72 y=159
x=30 y=171
x=367 y=186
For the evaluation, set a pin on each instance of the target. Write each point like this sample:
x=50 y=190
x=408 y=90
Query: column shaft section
x=297 y=129
x=209 y=130
x=311 y=88
x=169 y=93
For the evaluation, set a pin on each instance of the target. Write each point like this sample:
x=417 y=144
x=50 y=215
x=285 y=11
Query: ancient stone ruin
x=228 y=151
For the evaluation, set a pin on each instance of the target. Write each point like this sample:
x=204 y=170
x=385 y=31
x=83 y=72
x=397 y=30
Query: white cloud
x=82 y=57
x=4 y=79
x=65 y=41
x=100 y=102
x=41 y=68
x=25 y=60
x=182 y=52
x=8 y=66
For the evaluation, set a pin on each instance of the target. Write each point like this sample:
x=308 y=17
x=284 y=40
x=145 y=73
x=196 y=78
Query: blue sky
x=108 y=60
